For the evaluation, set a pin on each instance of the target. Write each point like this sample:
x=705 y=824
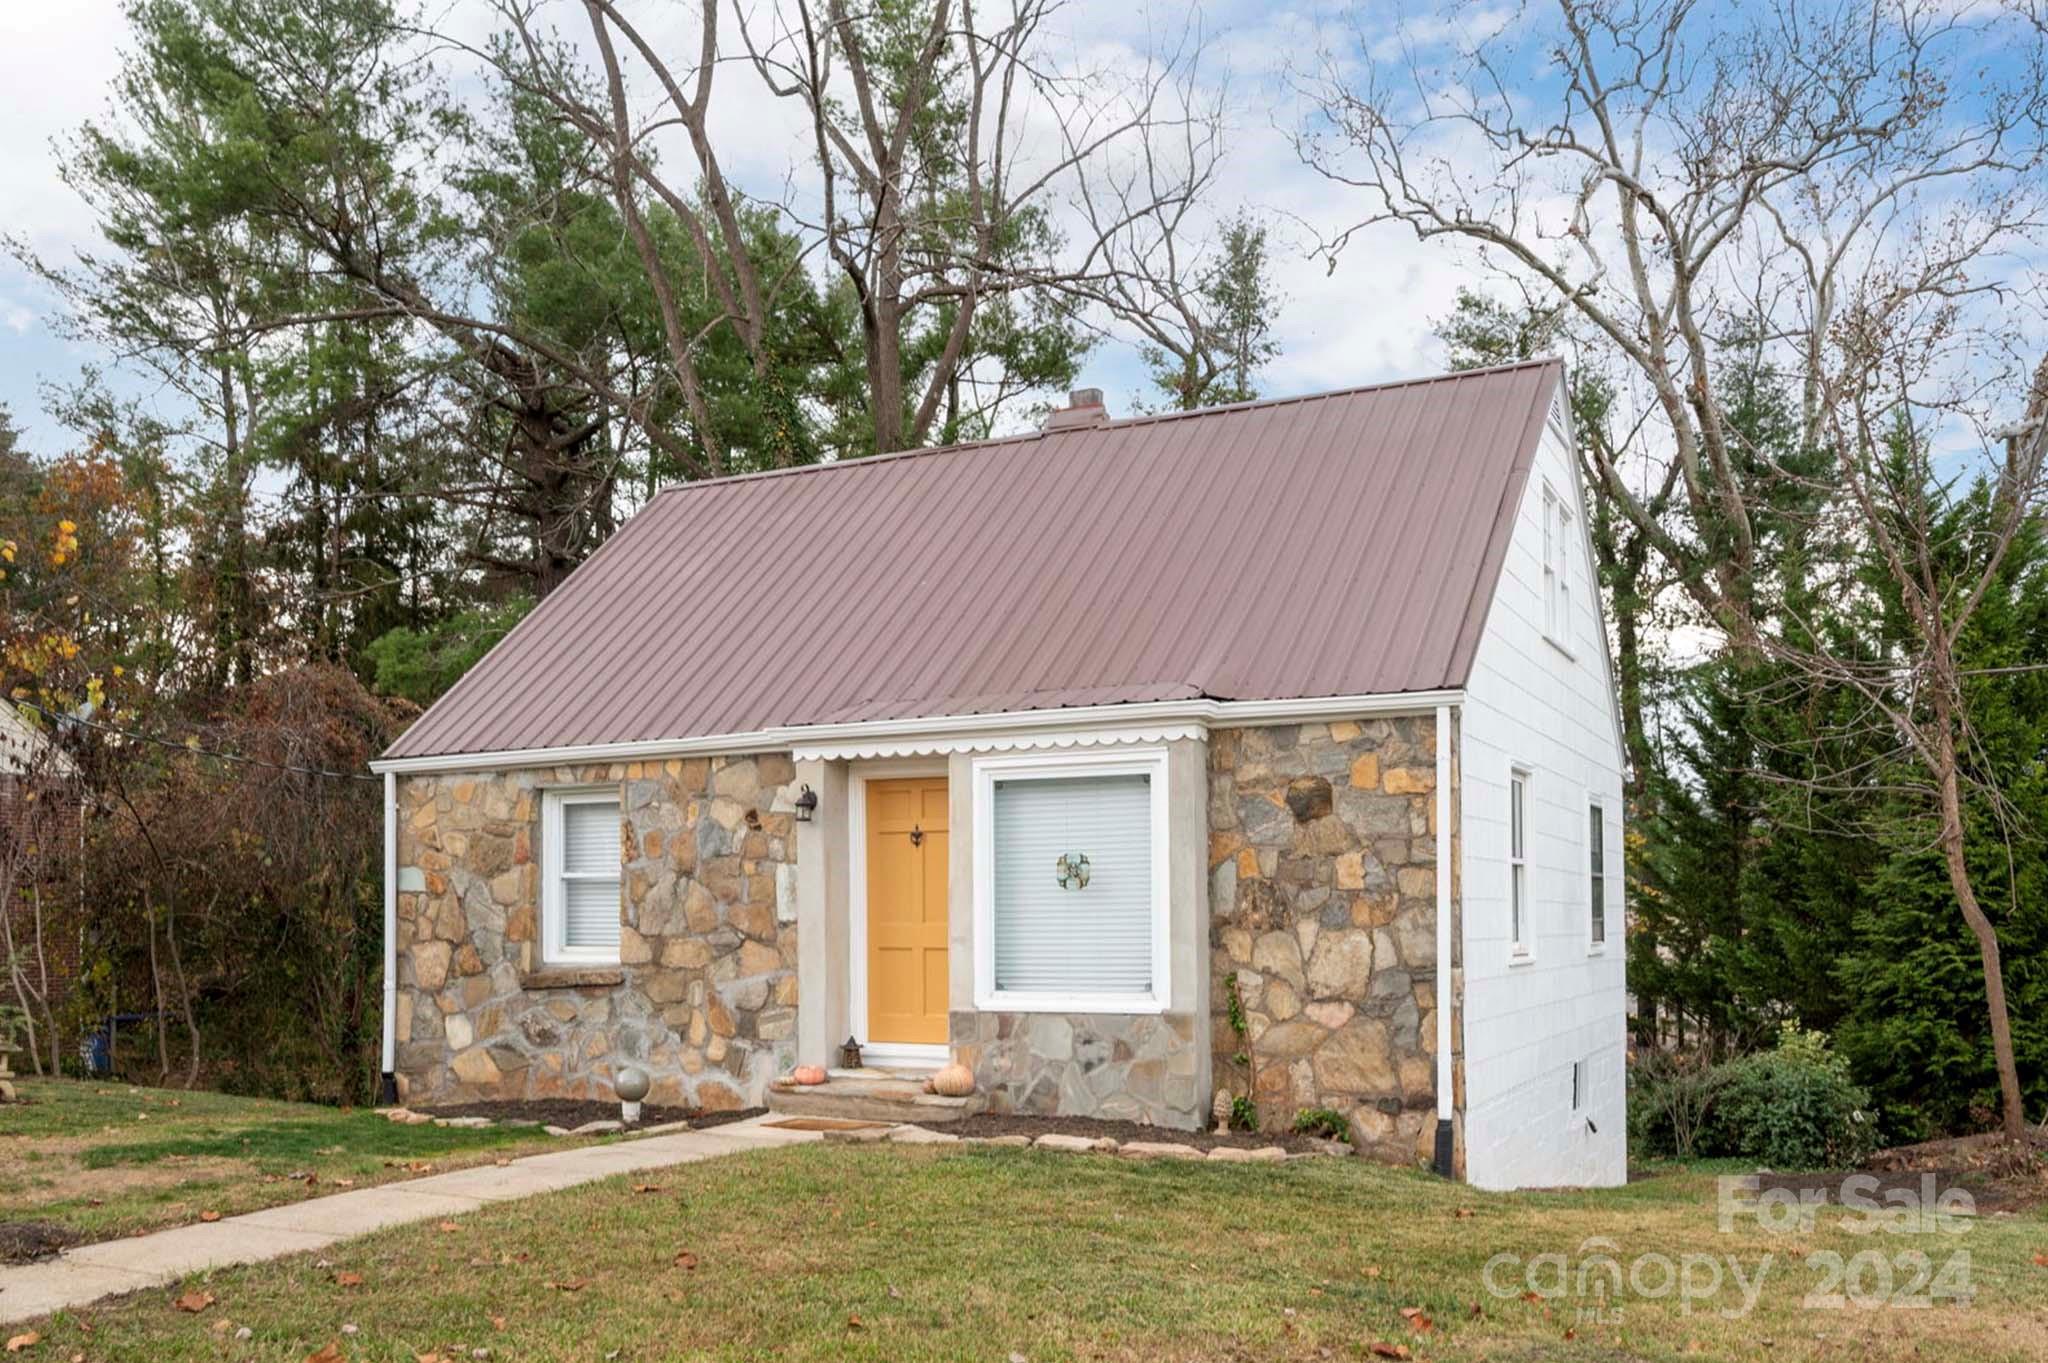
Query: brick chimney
x=1084 y=408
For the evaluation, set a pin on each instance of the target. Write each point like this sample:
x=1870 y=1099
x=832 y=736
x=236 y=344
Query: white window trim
x=554 y=951
x=1557 y=561
x=1521 y=939
x=1149 y=762
x=1596 y=946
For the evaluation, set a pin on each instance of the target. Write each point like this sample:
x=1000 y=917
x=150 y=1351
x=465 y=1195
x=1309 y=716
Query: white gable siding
x=1530 y=705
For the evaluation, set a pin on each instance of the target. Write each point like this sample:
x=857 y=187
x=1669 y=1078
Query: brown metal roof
x=1340 y=544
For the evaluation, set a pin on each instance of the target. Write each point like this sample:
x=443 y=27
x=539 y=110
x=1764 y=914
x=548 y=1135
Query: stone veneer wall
x=1118 y=1067
x=1322 y=902
x=705 y=992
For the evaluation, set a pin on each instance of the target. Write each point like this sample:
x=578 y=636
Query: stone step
x=872 y=1100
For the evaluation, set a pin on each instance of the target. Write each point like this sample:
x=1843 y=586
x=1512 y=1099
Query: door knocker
x=916 y=836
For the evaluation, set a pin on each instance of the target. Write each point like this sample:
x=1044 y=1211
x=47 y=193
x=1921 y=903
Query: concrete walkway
x=90 y=1272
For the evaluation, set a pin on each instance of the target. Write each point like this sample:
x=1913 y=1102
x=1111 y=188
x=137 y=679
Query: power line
x=193 y=749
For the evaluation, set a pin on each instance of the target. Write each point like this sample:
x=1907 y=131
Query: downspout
x=1444 y=1153
x=388 y=1088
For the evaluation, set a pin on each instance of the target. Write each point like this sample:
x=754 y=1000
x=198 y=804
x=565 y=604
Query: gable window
x=1518 y=862
x=1557 y=581
x=1596 y=871
x=1070 y=883
x=580 y=877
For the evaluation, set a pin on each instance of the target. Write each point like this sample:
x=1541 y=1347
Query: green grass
x=901 y=1254
x=110 y=1159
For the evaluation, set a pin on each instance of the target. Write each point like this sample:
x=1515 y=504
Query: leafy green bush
x=1794 y=1107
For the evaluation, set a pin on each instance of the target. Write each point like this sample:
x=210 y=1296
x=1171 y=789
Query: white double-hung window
x=1070 y=894
x=1557 y=578
x=1518 y=864
x=580 y=877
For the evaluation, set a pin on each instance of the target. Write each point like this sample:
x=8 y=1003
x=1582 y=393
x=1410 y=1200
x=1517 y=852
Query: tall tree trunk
x=2013 y=1110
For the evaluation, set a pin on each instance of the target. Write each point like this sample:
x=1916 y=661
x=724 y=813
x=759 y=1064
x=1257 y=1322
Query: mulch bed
x=1011 y=1124
x=24 y=1242
x=1999 y=1175
x=574 y=1112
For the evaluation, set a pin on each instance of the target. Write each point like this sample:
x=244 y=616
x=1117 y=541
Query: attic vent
x=1084 y=408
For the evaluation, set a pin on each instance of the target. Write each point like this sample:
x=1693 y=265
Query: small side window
x=1578 y=1085
x=1518 y=862
x=1596 y=873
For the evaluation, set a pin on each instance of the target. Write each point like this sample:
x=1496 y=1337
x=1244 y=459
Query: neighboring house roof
x=1335 y=545
x=25 y=748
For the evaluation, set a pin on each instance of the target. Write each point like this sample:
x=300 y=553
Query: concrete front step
x=872 y=1100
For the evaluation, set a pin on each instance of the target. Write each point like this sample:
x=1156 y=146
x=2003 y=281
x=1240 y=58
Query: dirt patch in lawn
x=1012 y=1124
x=575 y=1112
x=24 y=1242
x=60 y=1175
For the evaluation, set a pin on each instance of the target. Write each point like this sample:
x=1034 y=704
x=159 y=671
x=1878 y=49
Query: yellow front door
x=907 y=910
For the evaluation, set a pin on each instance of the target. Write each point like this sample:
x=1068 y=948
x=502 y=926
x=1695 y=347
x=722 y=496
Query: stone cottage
x=1267 y=750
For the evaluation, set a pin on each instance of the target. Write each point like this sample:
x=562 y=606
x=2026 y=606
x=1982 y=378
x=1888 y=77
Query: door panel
x=907 y=969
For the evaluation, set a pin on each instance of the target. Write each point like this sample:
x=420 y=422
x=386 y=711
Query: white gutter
x=1444 y=1105
x=947 y=728
x=390 y=1067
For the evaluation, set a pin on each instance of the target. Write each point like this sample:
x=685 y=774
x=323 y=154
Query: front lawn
x=107 y=1159
x=931 y=1253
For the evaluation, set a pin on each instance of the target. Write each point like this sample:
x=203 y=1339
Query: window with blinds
x=1062 y=927
x=581 y=851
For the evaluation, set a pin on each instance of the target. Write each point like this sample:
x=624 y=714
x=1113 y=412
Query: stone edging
x=1080 y=1145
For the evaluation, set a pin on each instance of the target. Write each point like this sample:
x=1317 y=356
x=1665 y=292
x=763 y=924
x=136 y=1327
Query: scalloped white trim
x=931 y=745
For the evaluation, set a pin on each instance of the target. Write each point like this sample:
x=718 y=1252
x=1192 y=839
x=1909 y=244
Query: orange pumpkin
x=954 y=1081
x=809 y=1074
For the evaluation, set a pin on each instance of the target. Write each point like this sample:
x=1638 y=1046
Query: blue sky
x=1368 y=321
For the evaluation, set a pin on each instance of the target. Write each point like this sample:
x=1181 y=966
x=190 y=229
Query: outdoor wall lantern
x=806 y=804
x=1072 y=870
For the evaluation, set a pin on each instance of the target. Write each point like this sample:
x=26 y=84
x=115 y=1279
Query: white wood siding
x=1531 y=705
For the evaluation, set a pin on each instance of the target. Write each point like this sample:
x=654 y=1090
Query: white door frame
x=858 y=775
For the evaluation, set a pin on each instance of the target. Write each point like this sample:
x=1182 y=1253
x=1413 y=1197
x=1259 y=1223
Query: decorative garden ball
x=632 y=1084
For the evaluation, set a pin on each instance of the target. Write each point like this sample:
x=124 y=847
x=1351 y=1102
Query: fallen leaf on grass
x=855 y=1323
x=1371 y=1270
x=1462 y=1213
x=497 y=1322
x=2041 y=1261
x=345 y=1278
x=28 y=1339
x=329 y=1353
x=647 y=1187
x=447 y=1228
x=1417 y=1320
x=209 y=1216
x=1381 y=1349
x=686 y=1261
x=194 y=1302
x=567 y=1284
